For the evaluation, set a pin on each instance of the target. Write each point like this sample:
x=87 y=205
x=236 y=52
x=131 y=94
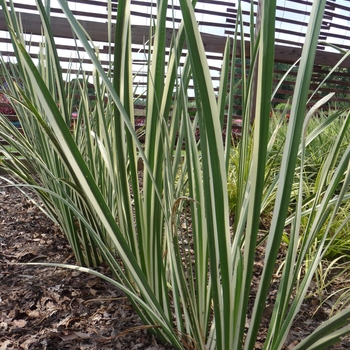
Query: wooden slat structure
x=217 y=20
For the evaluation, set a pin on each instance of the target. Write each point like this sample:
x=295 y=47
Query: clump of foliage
x=191 y=285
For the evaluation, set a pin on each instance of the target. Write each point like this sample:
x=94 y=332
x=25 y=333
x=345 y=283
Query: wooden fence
x=217 y=19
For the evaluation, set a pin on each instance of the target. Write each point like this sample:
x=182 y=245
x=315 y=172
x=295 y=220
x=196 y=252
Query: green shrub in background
x=318 y=148
x=192 y=286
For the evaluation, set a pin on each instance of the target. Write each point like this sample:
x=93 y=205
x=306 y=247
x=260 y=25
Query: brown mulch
x=54 y=308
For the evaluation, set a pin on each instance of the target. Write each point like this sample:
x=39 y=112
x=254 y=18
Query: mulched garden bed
x=54 y=308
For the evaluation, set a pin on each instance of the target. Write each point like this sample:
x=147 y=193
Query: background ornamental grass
x=87 y=176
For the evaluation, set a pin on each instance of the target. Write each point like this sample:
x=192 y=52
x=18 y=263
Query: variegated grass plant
x=190 y=285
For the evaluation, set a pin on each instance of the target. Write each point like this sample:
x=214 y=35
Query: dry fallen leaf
x=5 y=344
x=19 y=323
x=83 y=335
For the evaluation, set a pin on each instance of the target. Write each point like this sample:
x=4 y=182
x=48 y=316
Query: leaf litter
x=55 y=308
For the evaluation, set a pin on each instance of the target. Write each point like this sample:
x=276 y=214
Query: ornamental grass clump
x=191 y=286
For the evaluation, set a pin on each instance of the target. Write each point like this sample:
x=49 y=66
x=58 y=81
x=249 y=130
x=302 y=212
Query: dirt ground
x=53 y=308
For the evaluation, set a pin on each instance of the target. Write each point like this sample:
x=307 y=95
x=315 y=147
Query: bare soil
x=54 y=308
